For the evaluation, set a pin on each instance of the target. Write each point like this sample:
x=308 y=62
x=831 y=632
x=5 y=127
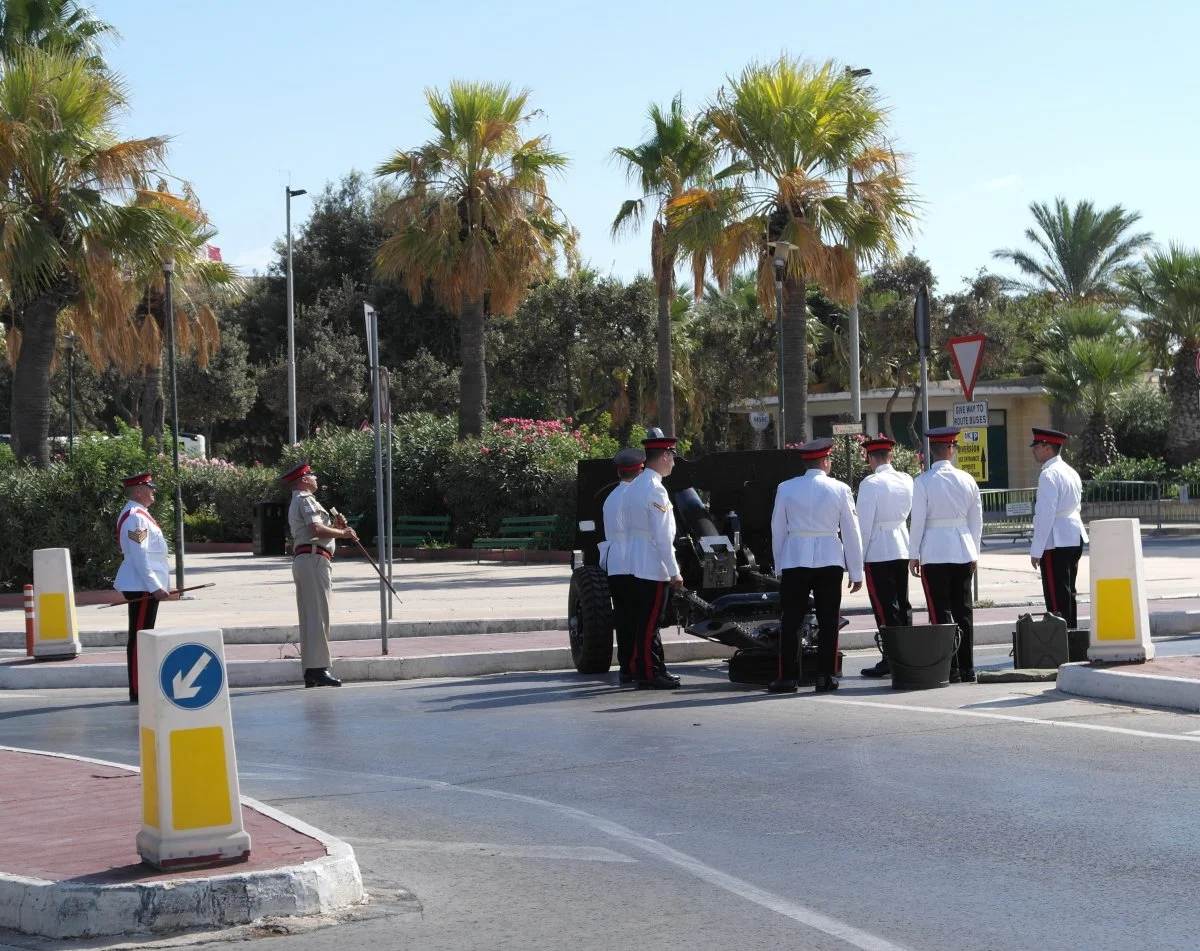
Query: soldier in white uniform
x=314 y=538
x=614 y=558
x=650 y=525
x=947 y=530
x=884 y=501
x=144 y=577
x=1058 y=532
x=810 y=512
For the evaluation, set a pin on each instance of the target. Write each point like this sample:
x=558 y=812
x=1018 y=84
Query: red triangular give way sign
x=968 y=357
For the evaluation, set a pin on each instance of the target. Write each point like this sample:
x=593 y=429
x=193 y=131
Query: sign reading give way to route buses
x=973 y=454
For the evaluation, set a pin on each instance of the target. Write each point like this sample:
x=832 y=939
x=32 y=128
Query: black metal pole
x=168 y=269
x=70 y=396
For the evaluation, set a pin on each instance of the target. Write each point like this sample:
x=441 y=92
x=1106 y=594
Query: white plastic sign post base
x=55 y=627
x=191 y=802
x=1120 y=629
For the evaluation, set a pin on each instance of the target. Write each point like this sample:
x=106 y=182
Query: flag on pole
x=214 y=253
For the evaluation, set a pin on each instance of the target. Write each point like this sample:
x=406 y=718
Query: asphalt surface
x=543 y=811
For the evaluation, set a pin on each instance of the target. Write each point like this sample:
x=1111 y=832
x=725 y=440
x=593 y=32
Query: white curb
x=71 y=910
x=1126 y=685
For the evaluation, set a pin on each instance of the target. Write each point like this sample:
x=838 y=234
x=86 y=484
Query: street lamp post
x=291 y=320
x=855 y=368
x=780 y=250
x=70 y=396
x=780 y=266
x=169 y=270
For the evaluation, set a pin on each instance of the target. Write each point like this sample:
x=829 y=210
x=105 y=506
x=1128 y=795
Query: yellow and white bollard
x=55 y=627
x=1120 y=620
x=191 y=802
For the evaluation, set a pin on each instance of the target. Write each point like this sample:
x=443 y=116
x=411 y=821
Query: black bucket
x=919 y=657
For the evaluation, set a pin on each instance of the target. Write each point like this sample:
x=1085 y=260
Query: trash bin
x=270 y=528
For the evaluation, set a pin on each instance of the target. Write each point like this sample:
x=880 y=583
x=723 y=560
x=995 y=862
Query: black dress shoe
x=320 y=677
x=625 y=677
x=955 y=676
x=658 y=682
x=783 y=686
x=671 y=676
x=966 y=676
x=827 y=684
x=879 y=670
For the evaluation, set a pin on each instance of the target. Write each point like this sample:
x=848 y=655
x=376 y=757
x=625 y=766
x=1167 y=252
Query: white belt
x=889 y=526
x=945 y=522
x=800 y=533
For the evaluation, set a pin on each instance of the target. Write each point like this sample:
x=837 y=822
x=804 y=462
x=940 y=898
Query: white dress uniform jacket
x=809 y=512
x=947 y=516
x=884 y=501
x=144 y=564
x=614 y=550
x=649 y=524
x=1056 y=519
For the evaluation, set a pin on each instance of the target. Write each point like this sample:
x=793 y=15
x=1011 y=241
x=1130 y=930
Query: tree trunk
x=153 y=409
x=912 y=426
x=665 y=371
x=1097 y=445
x=887 y=412
x=472 y=406
x=1183 y=435
x=31 y=378
x=795 y=360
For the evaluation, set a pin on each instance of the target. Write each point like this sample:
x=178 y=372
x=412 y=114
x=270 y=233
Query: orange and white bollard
x=28 y=620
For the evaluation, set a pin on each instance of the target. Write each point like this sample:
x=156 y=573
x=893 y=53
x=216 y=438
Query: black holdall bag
x=1040 y=645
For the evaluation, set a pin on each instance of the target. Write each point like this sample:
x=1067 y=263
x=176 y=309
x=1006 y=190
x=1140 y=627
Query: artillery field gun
x=730 y=594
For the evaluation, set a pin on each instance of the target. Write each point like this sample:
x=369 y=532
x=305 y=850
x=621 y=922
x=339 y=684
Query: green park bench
x=413 y=531
x=520 y=533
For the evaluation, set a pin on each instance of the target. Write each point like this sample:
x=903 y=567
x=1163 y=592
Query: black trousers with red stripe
x=648 y=606
x=948 y=597
x=142 y=615
x=825 y=584
x=887 y=587
x=624 y=618
x=1060 y=568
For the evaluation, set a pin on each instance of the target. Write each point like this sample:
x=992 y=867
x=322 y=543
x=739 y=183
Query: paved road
x=549 y=811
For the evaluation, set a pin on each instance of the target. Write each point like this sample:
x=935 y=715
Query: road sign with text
x=972 y=453
x=970 y=415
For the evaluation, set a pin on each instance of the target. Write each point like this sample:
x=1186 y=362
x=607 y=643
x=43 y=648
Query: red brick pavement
x=70 y=820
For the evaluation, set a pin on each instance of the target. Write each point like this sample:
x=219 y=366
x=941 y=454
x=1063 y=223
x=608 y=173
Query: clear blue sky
x=998 y=103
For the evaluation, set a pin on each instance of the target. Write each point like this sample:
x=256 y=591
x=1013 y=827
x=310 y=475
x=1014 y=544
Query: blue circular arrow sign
x=191 y=676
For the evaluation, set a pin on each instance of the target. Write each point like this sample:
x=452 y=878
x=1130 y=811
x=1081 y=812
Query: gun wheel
x=590 y=620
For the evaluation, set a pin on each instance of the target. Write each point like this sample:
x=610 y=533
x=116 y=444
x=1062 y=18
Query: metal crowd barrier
x=1009 y=512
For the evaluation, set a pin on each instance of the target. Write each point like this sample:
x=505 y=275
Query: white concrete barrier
x=55 y=627
x=191 y=804
x=1120 y=628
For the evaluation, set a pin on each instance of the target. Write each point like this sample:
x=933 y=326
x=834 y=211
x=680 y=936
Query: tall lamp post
x=70 y=338
x=168 y=271
x=855 y=371
x=291 y=320
x=780 y=249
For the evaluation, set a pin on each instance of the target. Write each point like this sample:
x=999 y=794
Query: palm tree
x=793 y=131
x=1085 y=370
x=1083 y=251
x=677 y=155
x=473 y=224
x=64 y=25
x=69 y=234
x=1167 y=289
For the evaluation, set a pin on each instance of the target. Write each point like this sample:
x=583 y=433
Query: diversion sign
x=972 y=453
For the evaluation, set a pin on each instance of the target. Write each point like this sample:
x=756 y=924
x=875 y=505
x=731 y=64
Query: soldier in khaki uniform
x=314 y=538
